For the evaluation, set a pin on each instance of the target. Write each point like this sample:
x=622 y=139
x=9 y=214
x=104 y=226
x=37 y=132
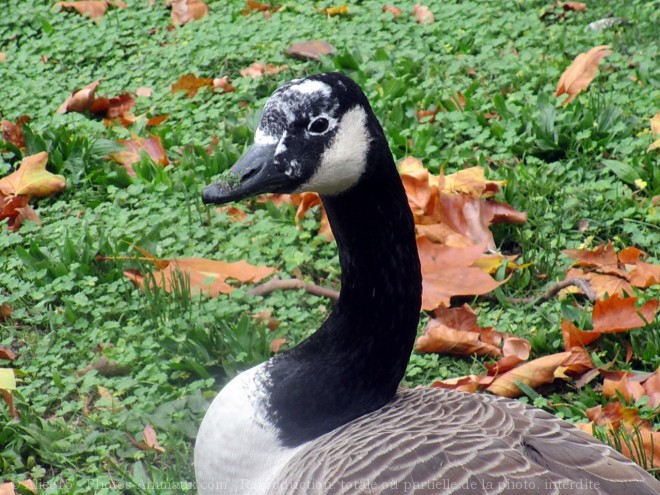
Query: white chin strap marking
x=345 y=160
x=260 y=137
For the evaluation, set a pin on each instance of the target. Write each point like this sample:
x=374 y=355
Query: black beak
x=254 y=173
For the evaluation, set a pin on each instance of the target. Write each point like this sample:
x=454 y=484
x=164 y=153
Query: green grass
x=565 y=166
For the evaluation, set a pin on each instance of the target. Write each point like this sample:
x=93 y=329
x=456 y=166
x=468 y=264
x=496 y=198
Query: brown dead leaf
x=655 y=130
x=423 y=14
x=257 y=70
x=32 y=179
x=93 y=9
x=276 y=344
x=471 y=181
x=540 y=371
x=184 y=11
x=266 y=317
x=252 y=6
x=618 y=314
x=448 y=271
x=135 y=146
x=574 y=6
x=3 y=57
x=105 y=367
x=6 y=353
x=575 y=337
x=470 y=383
x=13 y=132
x=191 y=84
x=144 y=92
x=206 y=276
x=334 y=11
x=577 y=77
x=610 y=273
x=625 y=383
x=10 y=487
x=223 y=84
x=310 y=50
x=150 y=440
x=5 y=309
x=114 y=107
x=81 y=99
x=395 y=11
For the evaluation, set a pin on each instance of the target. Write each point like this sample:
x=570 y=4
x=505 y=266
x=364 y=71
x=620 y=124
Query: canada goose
x=325 y=416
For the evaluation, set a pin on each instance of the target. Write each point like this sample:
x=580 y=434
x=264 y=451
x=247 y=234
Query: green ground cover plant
x=98 y=359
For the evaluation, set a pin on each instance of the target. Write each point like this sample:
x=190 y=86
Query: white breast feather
x=236 y=423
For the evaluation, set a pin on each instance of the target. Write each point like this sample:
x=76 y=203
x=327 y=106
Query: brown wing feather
x=442 y=442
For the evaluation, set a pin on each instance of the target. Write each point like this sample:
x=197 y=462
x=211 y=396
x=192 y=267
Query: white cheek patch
x=345 y=159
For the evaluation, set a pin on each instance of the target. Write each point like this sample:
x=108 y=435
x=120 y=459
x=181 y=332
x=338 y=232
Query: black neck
x=353 y=364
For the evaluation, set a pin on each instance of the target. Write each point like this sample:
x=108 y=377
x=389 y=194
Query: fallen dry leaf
x=80 y=100
x=610 y=273
x=655 y=130
x=191 y=84
x=252 y=6
x=470 y=383
x=135 y=146
x=333 y=11
x=13 y=132
x=574 y=6
x=257 y=70
x=423 y=14
x=3 y=57
x=206 y=276
x=6 y=353
x=455 y=331
x=105 y=367
x=310 y=50
x=184 y=11
x=541 y=371
x=577 y=77
x=10 y=487
x=5 y=309
x=395 y=11
x=150 y=440
x=114 y=107
x=618 y=314
x=143 y=91
x=32 y=179
x=276 y=344
x=223 y=84
x=91 y=8
x=448 y=272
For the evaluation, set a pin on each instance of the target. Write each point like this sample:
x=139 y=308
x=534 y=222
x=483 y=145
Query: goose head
x=314 y=135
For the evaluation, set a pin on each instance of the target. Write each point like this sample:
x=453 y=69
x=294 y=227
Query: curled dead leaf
x=423 y=14
x=618 y=314
x=577 y=77
x=81 y=99
x=32 y=179
x=13 y=132
x=395 y=11
x=310 y=50
x=184 y=11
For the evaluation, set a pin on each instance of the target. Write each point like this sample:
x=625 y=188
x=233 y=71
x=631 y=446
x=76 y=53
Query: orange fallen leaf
x=395 y=11
x=333 y=11
x=257 y=70
x=32 y=179
x=143 y=91
x=151 y=440
x=575 y=337
x=184 y=11
x=577 y=77
x=114 y=107
x=252 y=6
x=470 y=383
x=276 y=344
x=3 y=57
x=540 y=371
x=310 y=50
x=134 y=148
x=223 y=84
x=191 y=84
x=13 y=132
x=423 y=14
x=6 y=353
x=618 y=314
x=5 y=309
x=624 y=383
x=10 y=487
x=80 y=100
x=90 y=8
x=655 y=130
x=206 y=276
x=574 y=6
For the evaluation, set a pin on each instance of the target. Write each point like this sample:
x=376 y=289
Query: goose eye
x=318 y=126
